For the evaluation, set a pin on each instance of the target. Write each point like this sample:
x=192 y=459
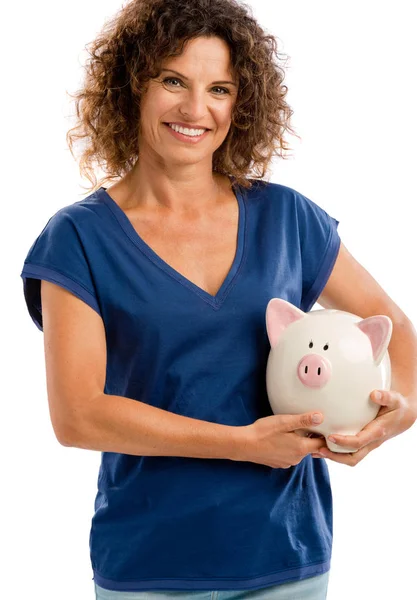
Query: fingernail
x=377 y=396
x=317 y=418
x=331 y=439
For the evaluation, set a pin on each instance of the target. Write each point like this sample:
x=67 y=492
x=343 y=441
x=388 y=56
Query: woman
x=152 y=305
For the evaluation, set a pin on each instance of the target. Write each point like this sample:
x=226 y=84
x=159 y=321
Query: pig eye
x=310 y=344
x=326 y=347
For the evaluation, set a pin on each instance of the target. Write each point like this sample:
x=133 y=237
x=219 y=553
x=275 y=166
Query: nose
x=314 y=370
x=194 y=105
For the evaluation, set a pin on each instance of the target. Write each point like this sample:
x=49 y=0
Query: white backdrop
x=351 y=78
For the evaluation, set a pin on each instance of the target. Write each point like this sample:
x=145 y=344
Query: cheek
x=151 y=118
x=223 y=117
x=222 y=124
x=155 y=105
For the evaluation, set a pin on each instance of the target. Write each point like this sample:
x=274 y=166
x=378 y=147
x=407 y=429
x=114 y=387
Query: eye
x=170 y=79
x=222 y=88
x=310 y=344
x=215 y=88
x=326 y=347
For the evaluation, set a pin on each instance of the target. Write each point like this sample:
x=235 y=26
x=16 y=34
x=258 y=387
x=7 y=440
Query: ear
x=280 y=314
x=379 y=331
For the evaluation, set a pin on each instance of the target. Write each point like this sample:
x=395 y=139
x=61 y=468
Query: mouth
x=205 y=128
x=193 y=139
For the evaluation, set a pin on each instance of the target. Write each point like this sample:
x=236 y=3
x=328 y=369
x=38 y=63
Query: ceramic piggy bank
x=329 y=361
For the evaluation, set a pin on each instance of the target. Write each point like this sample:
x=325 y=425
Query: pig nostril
x=314 y=370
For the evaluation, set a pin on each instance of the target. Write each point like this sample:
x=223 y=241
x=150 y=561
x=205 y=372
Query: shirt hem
x=213 y=584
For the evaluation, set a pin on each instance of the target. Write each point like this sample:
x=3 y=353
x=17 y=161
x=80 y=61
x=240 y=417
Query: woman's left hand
x=397 y=414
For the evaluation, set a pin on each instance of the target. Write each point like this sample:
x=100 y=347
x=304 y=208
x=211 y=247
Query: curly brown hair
x=129 y=51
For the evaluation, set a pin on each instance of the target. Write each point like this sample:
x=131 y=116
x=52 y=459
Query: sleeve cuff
x=32 y=274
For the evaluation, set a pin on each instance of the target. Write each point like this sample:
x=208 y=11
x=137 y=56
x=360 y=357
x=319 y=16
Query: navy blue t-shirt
x=178 y=523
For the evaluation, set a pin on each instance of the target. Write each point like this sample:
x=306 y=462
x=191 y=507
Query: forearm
x=123 y=425
x=403 y=354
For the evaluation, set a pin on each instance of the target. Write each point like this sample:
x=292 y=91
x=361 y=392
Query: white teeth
x=185 y=131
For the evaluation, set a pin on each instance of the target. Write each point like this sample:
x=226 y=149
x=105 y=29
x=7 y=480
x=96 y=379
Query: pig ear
x=280 y=314
x=379 y=331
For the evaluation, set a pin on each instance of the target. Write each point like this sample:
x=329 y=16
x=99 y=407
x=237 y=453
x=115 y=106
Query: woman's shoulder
x=271 y=191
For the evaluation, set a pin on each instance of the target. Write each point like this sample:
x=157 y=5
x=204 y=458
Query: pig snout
x=314 y=370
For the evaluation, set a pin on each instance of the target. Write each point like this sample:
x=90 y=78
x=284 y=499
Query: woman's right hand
x=273 y=441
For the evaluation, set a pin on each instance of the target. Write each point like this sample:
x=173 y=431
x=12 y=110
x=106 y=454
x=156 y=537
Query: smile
x=191 y=139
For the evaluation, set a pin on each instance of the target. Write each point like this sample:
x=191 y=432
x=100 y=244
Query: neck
x=179 y=189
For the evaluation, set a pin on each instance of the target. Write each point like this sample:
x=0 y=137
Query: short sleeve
x=319 y=244
x=58 y=255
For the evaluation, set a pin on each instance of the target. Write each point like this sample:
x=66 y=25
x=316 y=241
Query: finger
x=374 y=431
x=312 y=445
x=346 y=458
x=388 y=398
x=350 y=459
x=294 y=422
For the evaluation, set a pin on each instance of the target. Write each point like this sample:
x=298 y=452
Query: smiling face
x=203 y=95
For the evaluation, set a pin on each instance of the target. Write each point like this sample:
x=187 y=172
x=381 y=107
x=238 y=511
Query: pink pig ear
x=280 y=314
x=379 y=331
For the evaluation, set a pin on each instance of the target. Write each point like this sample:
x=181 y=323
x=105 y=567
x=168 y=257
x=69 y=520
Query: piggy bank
x=328 y=361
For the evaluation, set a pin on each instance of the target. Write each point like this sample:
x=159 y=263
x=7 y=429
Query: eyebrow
x=186 y=78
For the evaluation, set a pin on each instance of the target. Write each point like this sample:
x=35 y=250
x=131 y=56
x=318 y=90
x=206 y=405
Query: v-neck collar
x=217 y=300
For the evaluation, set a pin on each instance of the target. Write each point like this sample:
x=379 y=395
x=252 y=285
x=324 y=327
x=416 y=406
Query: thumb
x=294 y=422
